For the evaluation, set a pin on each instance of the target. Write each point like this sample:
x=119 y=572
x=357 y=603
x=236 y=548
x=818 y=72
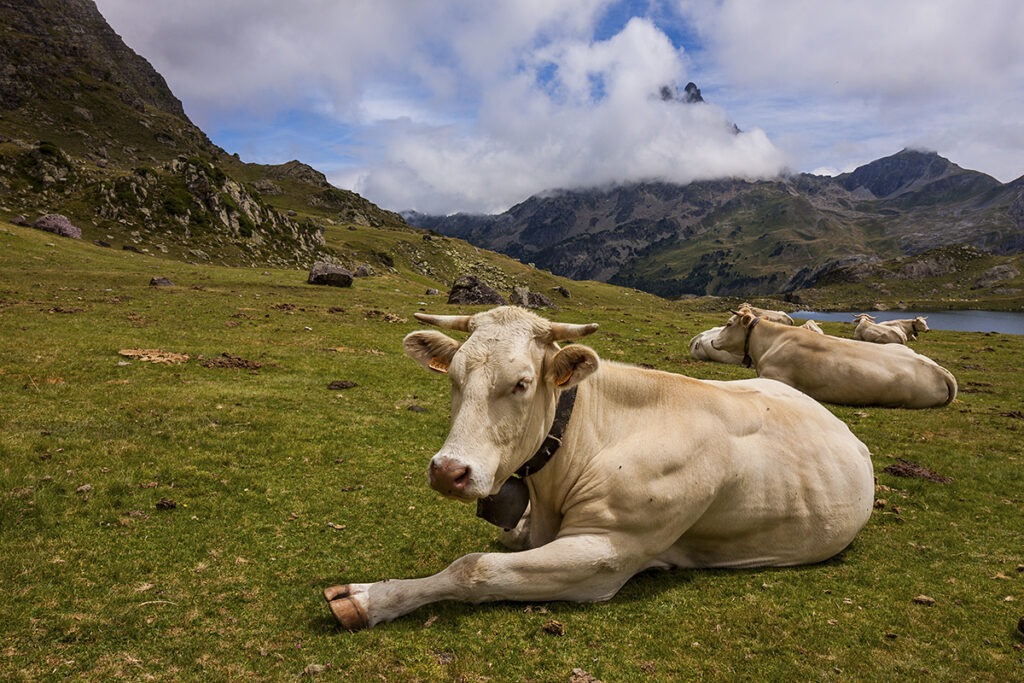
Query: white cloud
x=857 y=80
x=462 y=105
x=868 y=48
x=581 y=113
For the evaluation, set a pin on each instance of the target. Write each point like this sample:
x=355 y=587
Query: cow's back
x=851 y=372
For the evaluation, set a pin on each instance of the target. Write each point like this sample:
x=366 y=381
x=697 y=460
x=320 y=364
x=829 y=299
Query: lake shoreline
x=961 y=320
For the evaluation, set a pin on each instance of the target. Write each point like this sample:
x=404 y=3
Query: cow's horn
x=567 y=331
x=448 y=322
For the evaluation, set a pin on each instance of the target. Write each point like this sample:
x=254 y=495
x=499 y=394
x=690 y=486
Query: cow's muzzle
x=449 y=477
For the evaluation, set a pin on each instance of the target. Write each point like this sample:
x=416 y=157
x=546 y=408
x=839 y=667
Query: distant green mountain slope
x=738 y=237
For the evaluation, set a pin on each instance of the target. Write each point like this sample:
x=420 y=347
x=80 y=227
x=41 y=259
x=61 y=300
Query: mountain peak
x=297 y=170
x=71 y=39
x=906 y=170
x=690 y=94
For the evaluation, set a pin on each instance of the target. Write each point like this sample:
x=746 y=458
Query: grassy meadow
x=177 y=521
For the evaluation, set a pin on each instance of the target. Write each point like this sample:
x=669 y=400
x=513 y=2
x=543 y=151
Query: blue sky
x=462 y=105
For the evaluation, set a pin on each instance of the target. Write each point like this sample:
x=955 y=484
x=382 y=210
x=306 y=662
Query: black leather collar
x=554 y=438
x=747 y=360
x=506 y=507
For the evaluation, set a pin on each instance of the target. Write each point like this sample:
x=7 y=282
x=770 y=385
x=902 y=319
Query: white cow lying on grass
x=649 y=470
x=768 y=314
x=813 y=327
x=701 y=348
x=870 y=331
x=910 y=326
x=837 y=370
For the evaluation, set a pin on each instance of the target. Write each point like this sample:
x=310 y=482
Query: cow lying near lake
x=813 y=327
x=870 y=331
x=768 y=314
x=624 y=469
x=701 y=348
x=836 y=370
x=910 y=326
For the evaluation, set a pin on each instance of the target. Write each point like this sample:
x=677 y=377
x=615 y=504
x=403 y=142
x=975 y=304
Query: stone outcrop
x=470 y=290
x=995 y=275
x=59 y=225
x=324 y=273
x=522 y=296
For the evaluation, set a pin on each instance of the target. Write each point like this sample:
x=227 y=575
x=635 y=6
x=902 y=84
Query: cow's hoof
x=349 y=614
x=332 y=593
x=345 y=608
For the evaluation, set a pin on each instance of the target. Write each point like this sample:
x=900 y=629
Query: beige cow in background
x=837 y=370
x=911 y=326
x=701 y=348
x=870 y=331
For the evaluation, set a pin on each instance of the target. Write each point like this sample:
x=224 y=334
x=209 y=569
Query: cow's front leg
x=575 y=568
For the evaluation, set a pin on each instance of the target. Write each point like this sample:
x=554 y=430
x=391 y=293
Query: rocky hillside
x=90 y=130
x=736 y=237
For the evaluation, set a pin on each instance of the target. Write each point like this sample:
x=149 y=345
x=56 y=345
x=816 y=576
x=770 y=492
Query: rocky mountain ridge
x=90 y=130
x=49 y=44
x=736 y=237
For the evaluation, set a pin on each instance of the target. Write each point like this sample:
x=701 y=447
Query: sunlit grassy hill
x=177 y=520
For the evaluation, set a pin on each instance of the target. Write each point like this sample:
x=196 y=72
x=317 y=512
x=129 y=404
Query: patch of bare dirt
x=227 y=360
x=581 y=676
x=385 y=316
x=155 y=356
x=905 y=468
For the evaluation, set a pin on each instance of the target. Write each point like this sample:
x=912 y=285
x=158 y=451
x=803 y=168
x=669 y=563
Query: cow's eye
x=520 y=386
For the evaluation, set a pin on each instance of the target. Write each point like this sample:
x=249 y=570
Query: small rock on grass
x=555 y=628
x=315 y=669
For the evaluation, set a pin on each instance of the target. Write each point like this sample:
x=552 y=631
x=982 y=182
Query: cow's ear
x=747 y=318
x=431 y=349
x=572 y=365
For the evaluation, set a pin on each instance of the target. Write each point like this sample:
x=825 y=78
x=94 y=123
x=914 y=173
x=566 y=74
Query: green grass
x=282 y=486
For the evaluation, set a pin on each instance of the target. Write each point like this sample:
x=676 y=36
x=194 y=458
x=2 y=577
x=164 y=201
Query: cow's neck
x=507 y=507
x=563 y=412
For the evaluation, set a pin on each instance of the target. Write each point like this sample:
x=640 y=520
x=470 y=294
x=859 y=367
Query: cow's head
x=733 y=336
x=505 y=381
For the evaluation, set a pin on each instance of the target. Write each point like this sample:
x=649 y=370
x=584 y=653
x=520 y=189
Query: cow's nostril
x=448 y=477
x=456 y=477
